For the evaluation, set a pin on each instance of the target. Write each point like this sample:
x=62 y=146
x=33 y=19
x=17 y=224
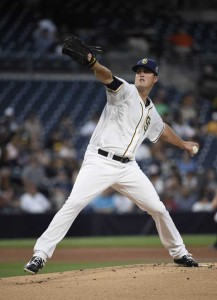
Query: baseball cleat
x=33 y=266
x=186 y=261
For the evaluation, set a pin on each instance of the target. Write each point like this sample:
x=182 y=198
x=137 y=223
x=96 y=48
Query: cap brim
x=136 y=67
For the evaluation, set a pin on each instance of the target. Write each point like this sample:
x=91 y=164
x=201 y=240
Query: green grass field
x=117 y=241
x=8 y=269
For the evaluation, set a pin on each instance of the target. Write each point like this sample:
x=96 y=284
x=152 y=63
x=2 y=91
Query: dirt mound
x=151 y=281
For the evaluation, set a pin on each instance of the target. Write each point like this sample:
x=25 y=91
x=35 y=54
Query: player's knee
x=72 y=204
x=160 y=209
x=76 y=204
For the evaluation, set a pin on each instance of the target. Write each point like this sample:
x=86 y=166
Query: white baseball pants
x=98 y=173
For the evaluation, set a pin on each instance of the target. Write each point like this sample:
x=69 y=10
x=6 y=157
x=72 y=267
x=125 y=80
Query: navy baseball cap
x=146 y=63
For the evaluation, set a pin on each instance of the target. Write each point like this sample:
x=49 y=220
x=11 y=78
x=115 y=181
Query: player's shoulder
x=117 y=84
x=150 y=106
x=124 y=81
x=127 y=84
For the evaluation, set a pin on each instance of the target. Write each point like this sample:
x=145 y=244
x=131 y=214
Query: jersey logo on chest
x=147 y=123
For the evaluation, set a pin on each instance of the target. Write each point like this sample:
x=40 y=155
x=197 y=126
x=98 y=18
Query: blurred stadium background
x=49 y=106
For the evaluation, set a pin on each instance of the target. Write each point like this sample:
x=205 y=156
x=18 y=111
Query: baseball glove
x=78 y=50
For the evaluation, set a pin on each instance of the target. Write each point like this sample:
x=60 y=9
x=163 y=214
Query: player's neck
x=143 y=93
x=144 y=97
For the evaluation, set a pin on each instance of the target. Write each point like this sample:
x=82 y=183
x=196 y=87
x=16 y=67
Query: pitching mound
x=153 y=281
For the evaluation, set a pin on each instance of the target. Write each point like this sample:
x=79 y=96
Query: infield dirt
x=137 y=281
x=164 y=281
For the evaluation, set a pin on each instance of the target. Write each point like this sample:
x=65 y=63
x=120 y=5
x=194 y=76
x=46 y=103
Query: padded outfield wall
x=33 y=225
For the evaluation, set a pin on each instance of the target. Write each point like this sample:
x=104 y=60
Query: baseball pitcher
x=128 y=118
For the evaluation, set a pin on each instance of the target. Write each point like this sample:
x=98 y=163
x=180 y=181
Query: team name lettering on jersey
x=147 y=123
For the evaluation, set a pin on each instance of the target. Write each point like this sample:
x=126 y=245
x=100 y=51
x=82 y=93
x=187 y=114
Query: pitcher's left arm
x=168 y=135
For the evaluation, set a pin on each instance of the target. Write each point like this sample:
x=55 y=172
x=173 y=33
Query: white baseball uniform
x=125 y=122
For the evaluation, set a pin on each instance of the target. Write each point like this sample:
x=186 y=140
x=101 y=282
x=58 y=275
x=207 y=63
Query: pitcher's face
x=145 y=79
